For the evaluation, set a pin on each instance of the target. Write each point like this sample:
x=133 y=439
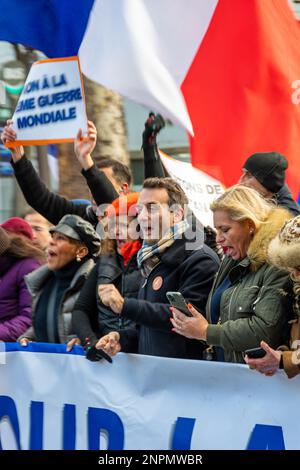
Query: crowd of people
x=98 y=274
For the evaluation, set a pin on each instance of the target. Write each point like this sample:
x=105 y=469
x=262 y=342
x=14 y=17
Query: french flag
x=223 y=69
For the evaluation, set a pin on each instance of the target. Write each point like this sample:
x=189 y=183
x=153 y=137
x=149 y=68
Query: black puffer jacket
x=90 y=317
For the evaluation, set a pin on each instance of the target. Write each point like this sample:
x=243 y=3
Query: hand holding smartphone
x=255 y=353
x=176 y=299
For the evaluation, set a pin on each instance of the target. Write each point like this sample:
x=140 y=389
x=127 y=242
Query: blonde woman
x=249 y=301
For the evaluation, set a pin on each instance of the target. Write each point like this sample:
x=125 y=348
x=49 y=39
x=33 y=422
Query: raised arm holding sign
x=51 y=205
x=51 y=109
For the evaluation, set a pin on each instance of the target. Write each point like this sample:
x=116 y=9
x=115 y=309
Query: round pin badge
x=157 y=283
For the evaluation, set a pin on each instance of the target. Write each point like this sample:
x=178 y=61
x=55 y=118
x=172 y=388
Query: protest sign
x=51 y=107
x=200 y=188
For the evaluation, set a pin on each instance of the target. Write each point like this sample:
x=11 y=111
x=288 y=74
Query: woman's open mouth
x=51 y=254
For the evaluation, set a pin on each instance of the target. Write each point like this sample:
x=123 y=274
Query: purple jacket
x=15 y=300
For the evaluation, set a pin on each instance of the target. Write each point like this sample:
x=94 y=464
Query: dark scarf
x=46 y=329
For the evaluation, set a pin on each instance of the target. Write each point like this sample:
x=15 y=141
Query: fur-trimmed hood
x=258 y=248
x=284 y=249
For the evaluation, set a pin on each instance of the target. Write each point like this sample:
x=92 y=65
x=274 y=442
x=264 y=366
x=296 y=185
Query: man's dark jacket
x=189 y=272
x=285 y=199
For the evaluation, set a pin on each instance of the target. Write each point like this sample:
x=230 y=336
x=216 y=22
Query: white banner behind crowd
x=200 y=188
x=63 y=401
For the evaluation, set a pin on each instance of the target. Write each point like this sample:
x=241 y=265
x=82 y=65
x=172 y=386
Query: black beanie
x=268 y=168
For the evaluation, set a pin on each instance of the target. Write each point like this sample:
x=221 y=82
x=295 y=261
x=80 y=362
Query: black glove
x=92 y=353
x=153 y=125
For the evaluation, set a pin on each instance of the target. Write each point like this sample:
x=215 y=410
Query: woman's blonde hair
x=243 y=203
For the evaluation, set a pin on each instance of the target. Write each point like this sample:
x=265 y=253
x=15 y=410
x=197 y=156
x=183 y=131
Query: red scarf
x=129 y=249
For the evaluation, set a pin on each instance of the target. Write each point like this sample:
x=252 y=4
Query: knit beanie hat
x=4 y=241
x=268 y=168
x=124 y=205
x=18 y=226
x=284 y=249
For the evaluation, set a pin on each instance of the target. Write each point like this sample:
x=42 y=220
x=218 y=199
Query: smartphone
x=176 y=299
x=255 y=353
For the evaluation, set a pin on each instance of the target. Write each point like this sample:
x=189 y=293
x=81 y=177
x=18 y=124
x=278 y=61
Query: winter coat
x=258 y=304
x=285 y=199
x=15 y=300
x=35 y=283
x=291 y=357
x=90 y=311
x=291 y=354
x=179 y=269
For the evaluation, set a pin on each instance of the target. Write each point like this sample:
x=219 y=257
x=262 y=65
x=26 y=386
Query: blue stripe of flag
x=55 y=27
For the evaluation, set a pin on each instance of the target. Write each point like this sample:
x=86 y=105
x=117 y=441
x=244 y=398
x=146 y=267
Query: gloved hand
x=93 y=354
x=153 y=125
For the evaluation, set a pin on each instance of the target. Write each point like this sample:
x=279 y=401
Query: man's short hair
x=31 y=211
x=174 y=190
x=121 y=171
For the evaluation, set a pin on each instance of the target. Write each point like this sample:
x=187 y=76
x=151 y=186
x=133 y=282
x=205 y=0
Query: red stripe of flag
x=238 y=89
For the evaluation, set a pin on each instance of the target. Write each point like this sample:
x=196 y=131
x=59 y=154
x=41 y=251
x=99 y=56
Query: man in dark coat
x=173 y=258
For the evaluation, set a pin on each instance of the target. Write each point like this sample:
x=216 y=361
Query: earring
x=78 y=259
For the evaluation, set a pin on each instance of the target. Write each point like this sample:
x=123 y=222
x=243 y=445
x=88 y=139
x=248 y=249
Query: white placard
x=51 y=107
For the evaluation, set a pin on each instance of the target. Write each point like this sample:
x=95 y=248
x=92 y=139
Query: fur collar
x=258 y=248
x=284 y=255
